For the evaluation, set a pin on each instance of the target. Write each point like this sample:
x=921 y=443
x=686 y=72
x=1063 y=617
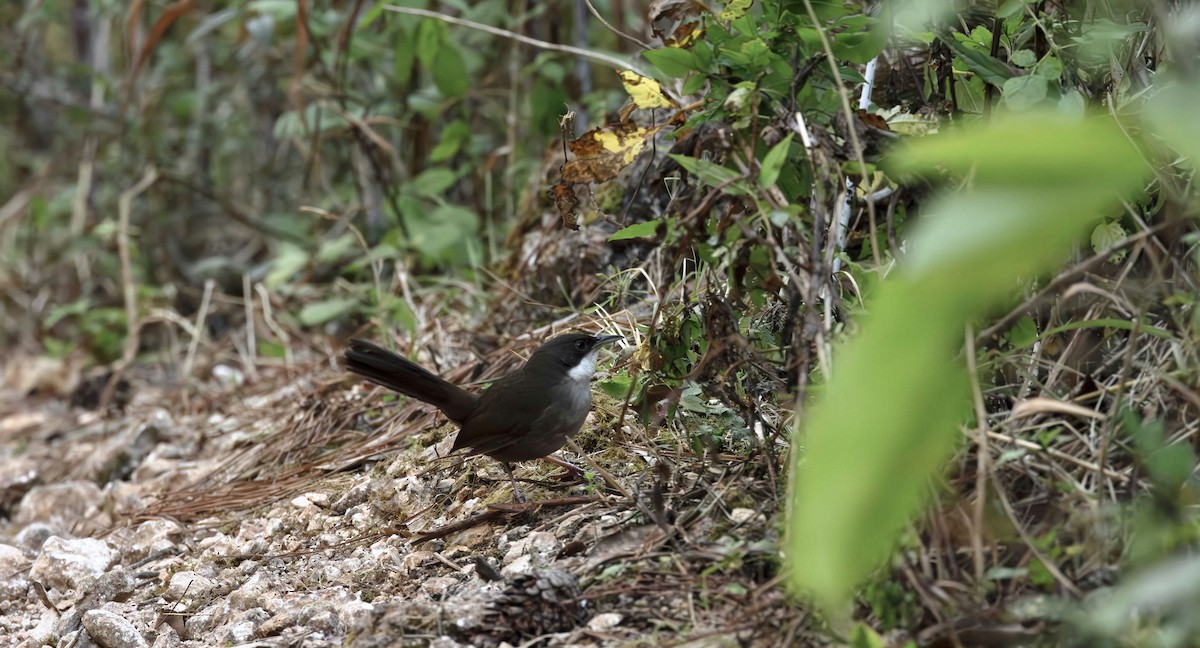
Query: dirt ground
x=296 y=506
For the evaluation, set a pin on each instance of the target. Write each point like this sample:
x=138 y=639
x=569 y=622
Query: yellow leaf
x=645 y=92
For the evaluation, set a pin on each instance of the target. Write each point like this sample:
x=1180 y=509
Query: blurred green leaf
x=988 y=68
x=404 y=54
x=335 y=249
x=671 y=61
x=430 y=35
x=289 y=260
x=1039 y=151
x=1023 y=58
x=318 y=313
x=773 y=161
x=648 y=229
x=615 y=386
x=450 y=72
x=453 y=136
x=1024 y=333
x=713 y=175
x=433 y=182
x=1025 y=92
x=1171 y=113
x=967 y=256
x=862 y=636
x=271 y=349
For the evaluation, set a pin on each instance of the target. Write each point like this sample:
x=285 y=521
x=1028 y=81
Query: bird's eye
x=581 y=344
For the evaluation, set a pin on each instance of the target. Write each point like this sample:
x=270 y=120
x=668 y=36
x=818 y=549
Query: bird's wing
x=507 y=411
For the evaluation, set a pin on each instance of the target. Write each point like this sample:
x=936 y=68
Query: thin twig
x=209 y=284
x=1059 y=454
x=983 y=459
x=609 y=27
x=608 y=478
x=555 y=47
x=132 y=325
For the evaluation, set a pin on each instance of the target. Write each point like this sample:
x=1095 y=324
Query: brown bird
x=525 y=415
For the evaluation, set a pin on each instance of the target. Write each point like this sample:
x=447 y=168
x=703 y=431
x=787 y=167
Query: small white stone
x=740 y=515
x=518 y=567
x=66 y=564
x=319 y=499
x=12 y=565
x=111 y=630
x=438 y=586
x=189 y=584
x=228 y=376
x=605 y=621
x=416 y=560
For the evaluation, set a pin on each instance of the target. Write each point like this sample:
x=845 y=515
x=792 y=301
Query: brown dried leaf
x=567 y=204
x=602 y=152
x=677 y=23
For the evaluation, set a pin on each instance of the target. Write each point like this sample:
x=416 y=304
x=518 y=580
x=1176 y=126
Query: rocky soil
x=280 y=510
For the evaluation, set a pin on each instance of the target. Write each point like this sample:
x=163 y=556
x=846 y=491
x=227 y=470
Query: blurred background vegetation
x=295 y=172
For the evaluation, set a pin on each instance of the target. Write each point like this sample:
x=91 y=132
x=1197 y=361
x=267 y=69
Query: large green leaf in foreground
x=898 y=396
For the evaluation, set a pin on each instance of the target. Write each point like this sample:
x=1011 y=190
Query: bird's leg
x=516 y=491
x=573 y=471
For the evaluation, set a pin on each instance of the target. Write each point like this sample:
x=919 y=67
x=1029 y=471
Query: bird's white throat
x=585 y=368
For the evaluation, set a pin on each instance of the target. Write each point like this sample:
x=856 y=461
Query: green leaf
x=271 y=349
x=403 y=55
x=450 y=72
x=59 y=313
x=1025 y=92
x=712 y=174
x=453 y=136
x=694 y=84
x=991 y=70
x=734 y=9
x=1106 y=235
x=616 y=386
x=431 y=183
x=859 y=39
x=1109 y=322
x=1023 y=58
x=772 y=162
x=1049 y=67
x=318 y=313
x=430 y=35
x=289 y=260
x=867 y=467
x=1024 y=333
x=1171 y=113
x=1169 y=464
x=647 y=229
x=1072 y=104
x=1011 y=8
x=671 y=61
x=335 y=249
x=1036 y=151
x=445 y=235
x=862 y=636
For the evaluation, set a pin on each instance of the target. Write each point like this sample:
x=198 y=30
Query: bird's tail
x=397 y=373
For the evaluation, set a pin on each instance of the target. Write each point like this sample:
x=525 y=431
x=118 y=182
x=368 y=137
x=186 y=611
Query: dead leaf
x=677 y=23
x=601 y=153
x=567 y=204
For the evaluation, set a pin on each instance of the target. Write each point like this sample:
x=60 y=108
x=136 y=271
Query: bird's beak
x=602 y=340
